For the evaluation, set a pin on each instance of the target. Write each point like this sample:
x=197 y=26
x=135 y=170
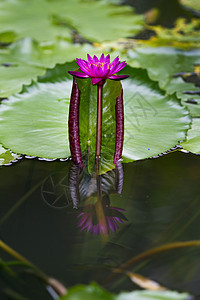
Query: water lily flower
x=88 y=219
x=99 y=69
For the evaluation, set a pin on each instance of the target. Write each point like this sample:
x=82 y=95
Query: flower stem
x=99 y=120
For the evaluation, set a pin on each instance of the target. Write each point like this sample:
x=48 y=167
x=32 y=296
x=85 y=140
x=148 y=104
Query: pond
x=160 y=199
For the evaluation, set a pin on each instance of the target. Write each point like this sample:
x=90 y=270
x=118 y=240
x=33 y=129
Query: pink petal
x=120 y=66
x=93 y=70
x=78 y=74
x=117 y=77
x=96 y=80
x=95 y=59
x=115 y=62
x=98 y=72
x=107 y=59
x=102 y=59
x=89 y=58
x=116 y=208
x=110 y=224
x=105 y=70
x=83 y=66
x=118 y=220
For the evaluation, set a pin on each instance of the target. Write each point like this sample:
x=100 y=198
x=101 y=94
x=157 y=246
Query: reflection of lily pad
x=35 y=122
x=23 y=61
x=6 y=156
x=192 y=142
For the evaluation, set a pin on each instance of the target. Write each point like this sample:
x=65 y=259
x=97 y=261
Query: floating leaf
x=23 y=61
x=6 y=156
x=98 y=21
x=94 y=20
x=163 y=63
x=29 y=19
x=154 y=122
x=192 y=142
x=35 y=121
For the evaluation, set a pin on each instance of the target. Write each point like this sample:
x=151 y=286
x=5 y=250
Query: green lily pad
x=29 y=19
x=35 y=121
x=6 y=156
x=94 y=20
x=163 y=63
x=154 y=122
x=97 y=20
x=192 y=142
x=23 y=61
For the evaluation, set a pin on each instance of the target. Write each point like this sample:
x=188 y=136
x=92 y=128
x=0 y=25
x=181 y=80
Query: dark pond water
x=161 y=199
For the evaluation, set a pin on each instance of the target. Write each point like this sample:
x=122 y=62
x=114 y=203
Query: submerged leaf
x=94 y=292
x=156 y=295
x=144 y=282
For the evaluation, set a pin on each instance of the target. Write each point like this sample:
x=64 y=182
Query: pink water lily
x=99 y=69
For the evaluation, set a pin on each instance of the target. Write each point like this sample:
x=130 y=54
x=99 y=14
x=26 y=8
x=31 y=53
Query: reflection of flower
x=90 y=221
x=99 y=69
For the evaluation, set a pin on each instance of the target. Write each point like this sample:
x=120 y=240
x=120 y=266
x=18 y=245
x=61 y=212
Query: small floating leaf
x=192 y=142
x=6 y=156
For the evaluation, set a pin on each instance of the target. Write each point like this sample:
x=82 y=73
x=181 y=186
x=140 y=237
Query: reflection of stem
x=119 y=178
x=99 y=120
x=74 y=184
x=99 y=206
